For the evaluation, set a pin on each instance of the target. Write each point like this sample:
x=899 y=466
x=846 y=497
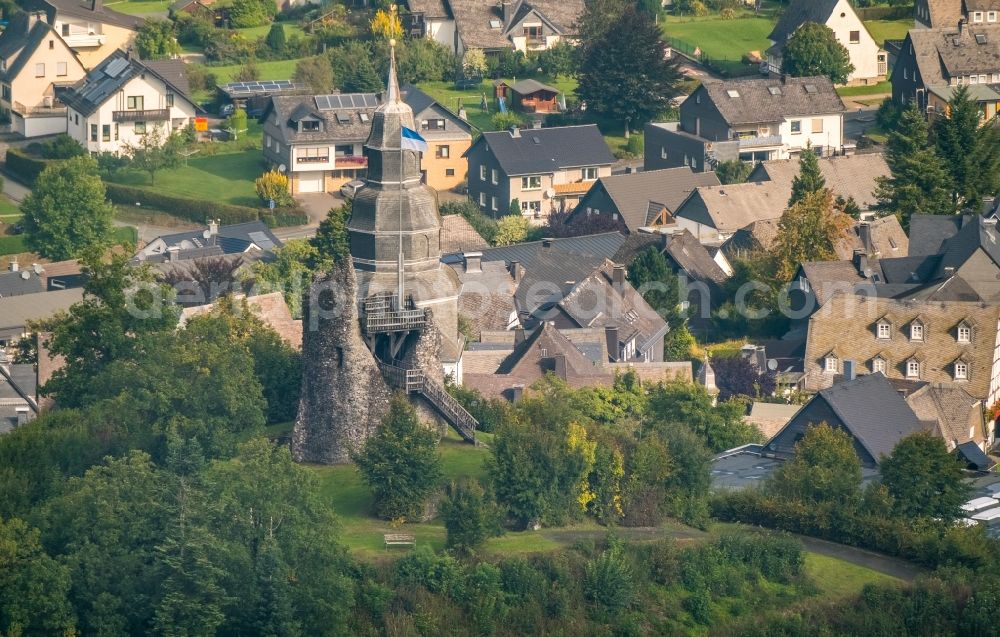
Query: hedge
x=885 y=13
x=24 y=167
x=198 y=210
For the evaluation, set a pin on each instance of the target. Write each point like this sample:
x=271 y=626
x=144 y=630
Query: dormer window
x=961 y=370
x=913 y=368
x=830 y=364
x=878 y=365
x=308 y=125
x=964 y=333
x=916 y=331
x=883 y=329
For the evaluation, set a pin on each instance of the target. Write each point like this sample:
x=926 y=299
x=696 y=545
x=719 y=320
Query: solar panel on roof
x=980 y=38
x=115 y=67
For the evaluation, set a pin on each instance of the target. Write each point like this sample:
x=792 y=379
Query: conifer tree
x=971 y=151
x=809 y=179
x=920 y=182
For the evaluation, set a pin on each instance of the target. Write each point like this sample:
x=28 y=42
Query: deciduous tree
x=733 y=171
x=824 y=468
x=924 y=480
x=809 y=231
x=814 y=50
x=156 y=39
x=67 y=212
x=401 y=463
x=155 y=151
x=511 y=229
x=315 y=72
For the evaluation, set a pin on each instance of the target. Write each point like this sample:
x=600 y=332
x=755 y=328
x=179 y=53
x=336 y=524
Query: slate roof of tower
x=545 y=150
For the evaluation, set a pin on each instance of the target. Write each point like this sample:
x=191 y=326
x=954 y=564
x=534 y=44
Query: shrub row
x=885 y=13
x=198 y=210
x=929 y=544
x=24 y=167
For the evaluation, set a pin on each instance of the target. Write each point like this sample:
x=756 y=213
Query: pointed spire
x=392 y=90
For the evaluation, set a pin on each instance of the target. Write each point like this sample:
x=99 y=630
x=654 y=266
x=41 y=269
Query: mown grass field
x=883 y=30
x=10 y=245
x=228 y=178
x=871 y=89
x=258 y=32
x=269 y=70
x=140 y=7
x=837 y=578
x=721 y=39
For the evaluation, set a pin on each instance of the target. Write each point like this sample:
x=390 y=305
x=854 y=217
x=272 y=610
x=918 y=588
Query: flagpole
x=399 y=264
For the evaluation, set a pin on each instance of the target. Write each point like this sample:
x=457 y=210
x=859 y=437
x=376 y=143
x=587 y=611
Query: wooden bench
x=399 y=539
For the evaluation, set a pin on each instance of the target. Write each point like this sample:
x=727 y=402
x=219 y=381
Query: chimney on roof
x=611 y=337
x=98 y=5
x=515 y=271
x=618 y=277
x=949 y=270
x=33 y=17
x=515 y=132
x=865 y=234
x=961 y=26
x=516 y=392
x=213 y=227
x=860 y=260
x=473 y=261
x=536 y=123
x=14 y=267
x=173 y=253
x=547 y=242
x=505 y=11
x=850 y=372
x=559 y=365
x=23 y=415
x=518 y=336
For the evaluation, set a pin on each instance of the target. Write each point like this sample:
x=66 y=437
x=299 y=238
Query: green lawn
x=871 y=89
x=837 y=578
x=140 y=7
x=258 y=32
x=227 y=178
x=883 y=30
x=15 y=244
x=270 y=70
x=721 y=39
x=8 y=209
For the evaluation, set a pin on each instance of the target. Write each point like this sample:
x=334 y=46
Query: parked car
x=351 y=188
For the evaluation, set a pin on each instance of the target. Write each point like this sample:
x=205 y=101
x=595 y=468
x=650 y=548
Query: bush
x=505 y=121
x=635 y=145
x=24 y=167
x=200 y=78
x=470 y=516
x=609 y=581
x=62 y=147
x=273 y=185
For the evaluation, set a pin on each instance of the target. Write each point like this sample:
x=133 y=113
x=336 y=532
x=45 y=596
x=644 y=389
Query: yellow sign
x=201 y=124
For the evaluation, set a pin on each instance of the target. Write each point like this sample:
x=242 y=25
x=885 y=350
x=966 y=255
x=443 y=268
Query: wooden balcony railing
x=154 y=115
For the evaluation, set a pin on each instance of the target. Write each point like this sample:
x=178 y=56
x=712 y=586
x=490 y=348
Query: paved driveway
x=317 y=205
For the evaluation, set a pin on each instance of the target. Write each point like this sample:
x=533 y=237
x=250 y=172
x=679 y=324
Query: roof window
x=810 y=88
x=733 y=93
x=495 y=24
x=774 y=90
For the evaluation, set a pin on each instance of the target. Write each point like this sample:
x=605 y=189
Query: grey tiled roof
x=472 y=21
x=544 y=150
x=875 y=413
x=604 y=245
x=928 y=233
x=798 y=13
x=430 y=8
x=24 y=281
x=105 y=80
x=348 y=128
x=943 y=53
x=93 y=10
x=757 y=103
x=17 y=311
x=950 y=406
x=694 y=259
x=633 y=193
x=853 y=176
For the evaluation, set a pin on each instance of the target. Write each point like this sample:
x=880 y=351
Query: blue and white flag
x=412 y=140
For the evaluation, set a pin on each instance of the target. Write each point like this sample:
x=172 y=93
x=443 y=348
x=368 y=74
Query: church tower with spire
x=395 y=226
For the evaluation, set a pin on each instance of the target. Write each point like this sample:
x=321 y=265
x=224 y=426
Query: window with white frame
x=531 y=182
x=913 y=368
x=878 y=365
x=494 y=176
x=61 y=69
x=482 y=199
x=589 y=173
x=663 y=152
x=442 y=151
x=533 y=208
x=830 y=365
x=493 y=203
x=134 y=102
x=991 y=16
x=964 y=334
x=40 y=69
x=884 y=330
x=482 y=173
x=977 y=16
x=916 y=332
x=961 y=370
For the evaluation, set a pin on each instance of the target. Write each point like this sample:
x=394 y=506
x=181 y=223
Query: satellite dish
x=772 y=365
x=550 y=193
x=282 y=168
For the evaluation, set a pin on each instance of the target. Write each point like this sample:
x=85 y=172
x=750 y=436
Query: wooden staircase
x=413 y=381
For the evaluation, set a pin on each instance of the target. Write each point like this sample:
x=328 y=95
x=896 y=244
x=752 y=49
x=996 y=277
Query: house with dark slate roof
x=642 y=199
x=869 y=60
x=755 y=119
x=545 y=169
x=34 y=62
x=868 y=408
x=318 y=140
x=933 y=62
x=933 y=14
x=522 y=25
x=18 y=394
x=252 y=237
x=123 y=99
x=91 y=29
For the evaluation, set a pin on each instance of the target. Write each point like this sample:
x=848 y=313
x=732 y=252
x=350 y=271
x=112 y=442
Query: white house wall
x=154 y=93
x=864 y=53
x=832 y=135
x=442 y=32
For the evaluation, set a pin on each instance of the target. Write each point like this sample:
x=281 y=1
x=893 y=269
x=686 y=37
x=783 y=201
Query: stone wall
x=344 y=397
